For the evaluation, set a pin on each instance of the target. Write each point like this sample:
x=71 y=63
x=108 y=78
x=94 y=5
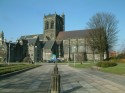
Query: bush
x=121 y=60
x=106 y=64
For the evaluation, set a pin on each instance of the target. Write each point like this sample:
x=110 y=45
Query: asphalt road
x=72 y=81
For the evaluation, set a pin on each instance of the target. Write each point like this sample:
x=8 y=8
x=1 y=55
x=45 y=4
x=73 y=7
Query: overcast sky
x=25 y=17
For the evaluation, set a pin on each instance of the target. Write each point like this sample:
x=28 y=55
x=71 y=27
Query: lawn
x=119 y=69
x=4 y=68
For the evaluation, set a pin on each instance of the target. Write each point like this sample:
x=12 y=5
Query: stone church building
x=69 y=45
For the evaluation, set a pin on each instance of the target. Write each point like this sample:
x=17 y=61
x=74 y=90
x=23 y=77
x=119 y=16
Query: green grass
x=4 y=69
x=119 y=69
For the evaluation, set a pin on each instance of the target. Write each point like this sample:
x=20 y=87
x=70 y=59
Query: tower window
x=52 y=24
x=47 y=25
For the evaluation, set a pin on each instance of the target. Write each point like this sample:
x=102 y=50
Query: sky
x=25 y=17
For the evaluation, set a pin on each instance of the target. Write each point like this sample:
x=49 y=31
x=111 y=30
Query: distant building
x=112 y=53
x=70 y=45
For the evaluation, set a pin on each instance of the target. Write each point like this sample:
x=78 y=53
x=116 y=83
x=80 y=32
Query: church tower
x=1 y=38
x=53 y=24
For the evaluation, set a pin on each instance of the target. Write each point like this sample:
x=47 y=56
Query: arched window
x=47 y=25
x=52 y=24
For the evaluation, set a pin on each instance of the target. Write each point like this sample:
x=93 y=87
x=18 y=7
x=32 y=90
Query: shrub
x=121 y=60
x=106 y=64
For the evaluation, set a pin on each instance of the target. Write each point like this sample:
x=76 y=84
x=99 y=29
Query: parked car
x=55 y=60
x=59 y=60
x=52 y=60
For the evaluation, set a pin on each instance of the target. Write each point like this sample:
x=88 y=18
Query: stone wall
x=31 y=52
x=74 y=47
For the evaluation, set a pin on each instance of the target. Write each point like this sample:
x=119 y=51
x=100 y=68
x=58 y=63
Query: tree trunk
x=107 y=54
x=101 y=56
x=93 y=56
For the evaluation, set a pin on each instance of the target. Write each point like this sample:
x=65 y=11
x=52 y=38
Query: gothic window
x=47 y=25
x=66 y=49
x=52 y=24
x=81 y=49
x=73 y=49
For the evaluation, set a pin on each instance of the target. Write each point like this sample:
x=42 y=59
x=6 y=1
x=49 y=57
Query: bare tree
x=90 y=42
x=104 y=32
x=95 y=41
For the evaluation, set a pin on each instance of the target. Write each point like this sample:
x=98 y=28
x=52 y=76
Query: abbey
x=69 y=45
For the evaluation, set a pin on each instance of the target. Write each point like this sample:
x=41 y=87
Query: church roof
x=32 y=41
x=49 y=44
x=41 y=36
x=28 y=36
x=71 y=34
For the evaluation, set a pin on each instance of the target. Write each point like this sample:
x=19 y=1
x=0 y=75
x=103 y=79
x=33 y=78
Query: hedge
x=106 y=64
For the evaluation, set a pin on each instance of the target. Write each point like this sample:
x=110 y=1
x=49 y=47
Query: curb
x=15 y=72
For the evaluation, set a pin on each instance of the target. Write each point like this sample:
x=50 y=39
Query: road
x=72 y=81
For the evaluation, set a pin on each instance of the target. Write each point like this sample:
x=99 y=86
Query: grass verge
x=119 y=69
x=4 y=69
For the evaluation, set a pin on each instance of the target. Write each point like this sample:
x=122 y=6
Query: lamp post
x=35 y=54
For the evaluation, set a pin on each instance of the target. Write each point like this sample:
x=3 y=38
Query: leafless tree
x=94 y=38
x=104 y=32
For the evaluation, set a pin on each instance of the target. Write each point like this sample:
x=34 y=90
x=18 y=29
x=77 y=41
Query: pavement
x=36 y=80
x=90 y=81
x=73 y=80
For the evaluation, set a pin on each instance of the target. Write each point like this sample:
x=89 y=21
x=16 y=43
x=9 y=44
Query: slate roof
x=41 y=36
x=32 y=41
x=28 y=36
x=72 y=34
x=49 y=44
